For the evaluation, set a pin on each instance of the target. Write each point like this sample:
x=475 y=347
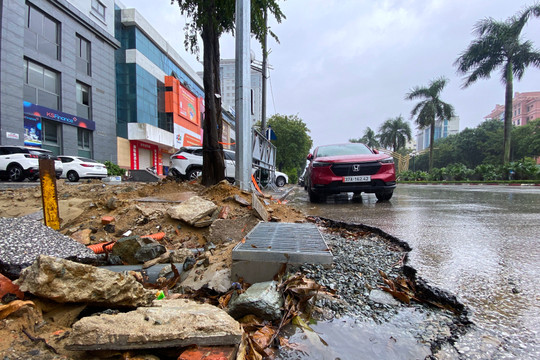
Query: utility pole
x=264 y=59
x=244 y=157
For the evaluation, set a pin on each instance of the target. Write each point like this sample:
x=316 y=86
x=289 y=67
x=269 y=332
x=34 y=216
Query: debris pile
x=144 y=272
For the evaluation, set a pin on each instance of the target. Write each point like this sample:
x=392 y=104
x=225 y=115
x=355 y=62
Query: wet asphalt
x=480 y=242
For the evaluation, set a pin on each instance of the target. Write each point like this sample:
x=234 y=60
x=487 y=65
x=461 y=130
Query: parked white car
x=20 y=162
x=187 y=163
x=76 y=167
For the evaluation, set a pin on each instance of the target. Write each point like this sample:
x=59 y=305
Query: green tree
x=499 y=46
x=430 y=109
x=292 y=144
x=210 y=19
x=394 y=133
x=370 y=139
x=526 y=140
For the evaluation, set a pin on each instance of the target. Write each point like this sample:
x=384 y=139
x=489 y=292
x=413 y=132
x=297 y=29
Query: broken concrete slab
x=261 y=299
x=224 y=231
x=241 y=200
x=66 y=281
x=192 y=210
x=259 y=208
x=23 y=240
x=168 y=323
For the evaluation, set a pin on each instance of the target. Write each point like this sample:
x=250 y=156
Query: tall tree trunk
x=431 y=141
x=213 y=163
x=508 y=112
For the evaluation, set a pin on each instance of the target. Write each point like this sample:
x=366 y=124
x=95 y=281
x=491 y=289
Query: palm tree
x=395 y=133
x=430 y=109
x=499 y=46
x=369 y=138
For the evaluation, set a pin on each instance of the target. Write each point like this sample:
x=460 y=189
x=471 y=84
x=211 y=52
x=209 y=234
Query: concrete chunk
x=261 y=299
x=169 y=323
x=192 y=210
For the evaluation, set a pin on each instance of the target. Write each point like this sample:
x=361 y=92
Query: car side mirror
x=375 y=151
x=309 y=157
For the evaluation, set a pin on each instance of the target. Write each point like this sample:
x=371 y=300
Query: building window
x=84 y=143
x=52 y=137
x=83 y=100
x=98 y=9
x=41 y=85
x=83 y=55
x=42 y=33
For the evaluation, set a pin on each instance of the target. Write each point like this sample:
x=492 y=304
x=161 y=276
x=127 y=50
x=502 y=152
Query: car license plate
x=350 y=179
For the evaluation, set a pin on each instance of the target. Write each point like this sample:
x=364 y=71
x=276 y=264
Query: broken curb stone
x=260 y=299
x=127 y=249
x=192 y=210
x=170 y=323
x=66 y=281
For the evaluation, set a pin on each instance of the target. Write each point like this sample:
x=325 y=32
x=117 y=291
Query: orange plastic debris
x=106 y=220
x=209 y=353
x=156 y=236
x=101 y=247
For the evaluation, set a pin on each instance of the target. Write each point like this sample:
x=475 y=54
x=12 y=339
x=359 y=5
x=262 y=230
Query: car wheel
x=193 y=174
x=280 y=181
x=384 y=196
x=72 y=176
x=313 y=196
x=15 y=173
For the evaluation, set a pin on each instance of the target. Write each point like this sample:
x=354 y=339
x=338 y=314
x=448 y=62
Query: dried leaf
x=263 y=336
x=253 y=246
x=401 y=296
x=8 y=309
x=310 y=333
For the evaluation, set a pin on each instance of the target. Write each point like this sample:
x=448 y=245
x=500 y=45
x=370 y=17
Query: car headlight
x=320 y=164
x=389 y=160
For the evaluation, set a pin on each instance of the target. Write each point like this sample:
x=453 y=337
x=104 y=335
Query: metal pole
x=242 y=95
x=264 y=59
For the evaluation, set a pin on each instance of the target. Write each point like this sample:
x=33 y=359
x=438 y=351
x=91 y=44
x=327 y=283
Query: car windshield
x=345 y=149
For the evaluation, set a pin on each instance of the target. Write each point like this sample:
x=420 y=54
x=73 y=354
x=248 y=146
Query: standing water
x=480 y=243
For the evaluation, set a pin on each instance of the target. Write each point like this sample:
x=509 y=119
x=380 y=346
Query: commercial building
x=57 y=78
x=525 y=108
x=443 y=129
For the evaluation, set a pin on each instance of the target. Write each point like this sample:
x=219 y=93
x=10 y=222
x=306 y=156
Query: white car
x=76 y=167
x=20 y=162
x=187 y=163
x=280 y=179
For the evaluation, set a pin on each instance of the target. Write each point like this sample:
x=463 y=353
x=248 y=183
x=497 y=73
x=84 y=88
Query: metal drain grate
x=284 y=243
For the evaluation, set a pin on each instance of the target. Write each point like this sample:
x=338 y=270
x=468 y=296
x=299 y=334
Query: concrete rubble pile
x=64 y=297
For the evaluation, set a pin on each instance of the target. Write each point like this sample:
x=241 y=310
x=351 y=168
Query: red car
x=351 y=167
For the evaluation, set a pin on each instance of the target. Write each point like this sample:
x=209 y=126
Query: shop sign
x=41 y=111
x=11 y=135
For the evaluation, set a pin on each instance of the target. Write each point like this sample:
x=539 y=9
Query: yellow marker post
x=49 y=195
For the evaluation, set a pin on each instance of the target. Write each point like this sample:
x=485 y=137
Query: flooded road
x=478 y=242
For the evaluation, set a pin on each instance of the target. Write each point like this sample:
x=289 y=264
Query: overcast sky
x=345 y=65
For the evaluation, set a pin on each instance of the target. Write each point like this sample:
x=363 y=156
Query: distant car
x=76 y=167
x=351 y=167
x=20 y=162
x=281 y=178
x=187 y=163
x=302 y=178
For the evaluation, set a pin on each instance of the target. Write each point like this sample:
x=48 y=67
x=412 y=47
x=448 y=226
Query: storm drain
x=284 y=243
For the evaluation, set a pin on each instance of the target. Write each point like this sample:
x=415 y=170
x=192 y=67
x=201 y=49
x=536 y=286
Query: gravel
x=355 y=279
x=23 y=239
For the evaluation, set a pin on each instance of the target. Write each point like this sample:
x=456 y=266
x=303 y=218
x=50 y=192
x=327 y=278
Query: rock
x=382 y=297
x=169 y=323
x=112 y=203
x=180 y=255
x=82 y=236
x=66 y=281
x=127 y=248
x=149 y=252
x=106 y=220
x=214 y=278
x=192 y=210
x=259 y=208
x=261 y=299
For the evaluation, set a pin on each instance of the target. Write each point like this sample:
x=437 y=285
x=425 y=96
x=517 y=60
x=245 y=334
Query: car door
x=229 y=164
